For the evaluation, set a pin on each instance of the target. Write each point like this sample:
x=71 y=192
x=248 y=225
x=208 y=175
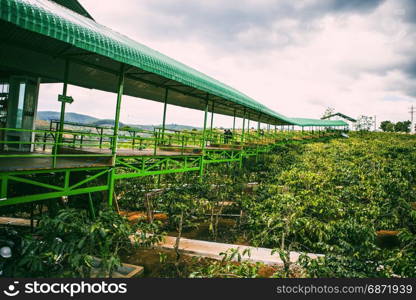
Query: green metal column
x=259 y=137
x=242 y=139
x=201 y=165
x=210 y=136
x=164 y=114
x=244 y=124
x=64 y=92
x=111 y=180
x=234 y=121
x=3 y=188
x=118 y=107
x=258 y=127
x=58 y=137
x=212 y=115
x=205 y=124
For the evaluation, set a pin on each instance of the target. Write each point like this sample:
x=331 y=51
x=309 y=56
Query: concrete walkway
x=213 y=250
x=203 y=248
x=16 y=221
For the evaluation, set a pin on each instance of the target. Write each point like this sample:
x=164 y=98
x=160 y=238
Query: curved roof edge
x=317 y=122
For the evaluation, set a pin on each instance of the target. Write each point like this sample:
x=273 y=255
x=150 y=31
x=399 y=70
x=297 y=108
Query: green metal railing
x=52 y=143
x=190 y=151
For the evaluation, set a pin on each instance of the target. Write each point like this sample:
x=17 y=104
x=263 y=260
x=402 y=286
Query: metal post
x=118 y=107
x=244 y=124
x=242 y=140
x=258 y=135
x=101 y=137
x=58 y=135
x=201 y=165
x=111 y=180
x=164 y=114
x=210 y=135
x=212 y=115
x=234 y=121
x=205 y=123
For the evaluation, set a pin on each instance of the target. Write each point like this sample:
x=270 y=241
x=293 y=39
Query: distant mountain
x=105 y=122
x=89 y=120
x=69 y=117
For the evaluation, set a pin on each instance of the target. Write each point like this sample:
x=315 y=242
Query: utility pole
x=412 y=125
x=375 y=123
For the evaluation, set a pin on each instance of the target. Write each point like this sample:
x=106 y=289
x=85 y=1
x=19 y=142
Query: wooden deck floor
x=41 y=161
x=46 y=163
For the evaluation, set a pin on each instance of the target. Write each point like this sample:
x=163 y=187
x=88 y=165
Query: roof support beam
x=58 y=138
x=258 y=125
x=164 y=114
x=212 y=115
x=120 y=88
x=205 y=122
x=244 y=121
x=111 y=179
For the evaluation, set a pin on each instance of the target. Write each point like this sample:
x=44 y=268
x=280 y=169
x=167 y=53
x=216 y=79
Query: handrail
x=47 y=141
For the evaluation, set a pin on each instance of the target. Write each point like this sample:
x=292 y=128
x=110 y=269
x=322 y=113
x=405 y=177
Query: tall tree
x=403 y=126
x=387 y=126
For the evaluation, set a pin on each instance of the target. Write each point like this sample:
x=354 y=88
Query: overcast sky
x=296 y=57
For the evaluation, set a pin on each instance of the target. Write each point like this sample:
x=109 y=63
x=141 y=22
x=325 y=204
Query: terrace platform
x=42 y=161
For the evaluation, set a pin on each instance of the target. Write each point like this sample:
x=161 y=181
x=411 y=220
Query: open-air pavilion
x=46 y=42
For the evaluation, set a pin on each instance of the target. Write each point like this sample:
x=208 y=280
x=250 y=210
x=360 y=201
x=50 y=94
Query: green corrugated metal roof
x=75 y=6
x=68 y=32
x=315 y=122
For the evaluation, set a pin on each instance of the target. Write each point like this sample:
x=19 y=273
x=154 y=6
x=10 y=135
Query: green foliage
x=64 y=246
x=231 y=266
x=387 y=126
x=131 y=192
x=331 y=198
x=402 y=126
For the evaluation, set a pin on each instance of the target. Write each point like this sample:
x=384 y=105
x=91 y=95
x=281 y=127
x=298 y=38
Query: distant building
x=339 y=116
